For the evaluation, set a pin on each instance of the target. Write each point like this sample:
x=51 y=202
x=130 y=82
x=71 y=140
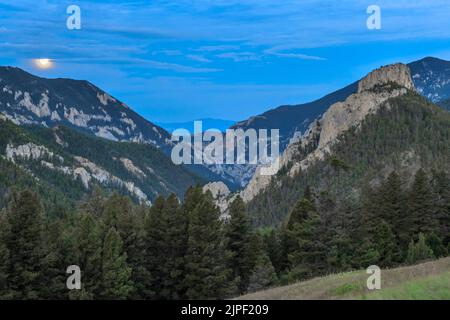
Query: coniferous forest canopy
x=175 y=250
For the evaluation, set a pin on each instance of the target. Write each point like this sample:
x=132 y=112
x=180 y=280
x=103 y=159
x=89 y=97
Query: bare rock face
x=221 y=195
x=217 y=189
x=395 y=73
x=373 y=90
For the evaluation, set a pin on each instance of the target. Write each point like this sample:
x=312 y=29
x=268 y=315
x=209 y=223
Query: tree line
x=392 y=224
x=171 y=250
x=184 y=250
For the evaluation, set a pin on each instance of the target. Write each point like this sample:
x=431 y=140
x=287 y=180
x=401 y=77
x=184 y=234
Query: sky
x=181 y=60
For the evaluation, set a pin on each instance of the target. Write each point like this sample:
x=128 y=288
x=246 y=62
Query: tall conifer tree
x=116 y=274
x=207 y=276
x=238 y=236
x=24 y=242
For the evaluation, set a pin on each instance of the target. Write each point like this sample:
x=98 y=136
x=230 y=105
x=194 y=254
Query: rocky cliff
x=373 y=90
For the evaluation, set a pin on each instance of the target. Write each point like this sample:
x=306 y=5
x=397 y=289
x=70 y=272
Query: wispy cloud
x=177 y=67
x=198 y=58
x=215 y=48
x=299 y=56
x=142 y=63
x=239 y=56
x=276 y=52
x=168 y=52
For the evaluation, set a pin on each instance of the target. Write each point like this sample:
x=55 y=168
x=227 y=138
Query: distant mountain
x=26 y=99
x=295 y=119
x=207 y=123
x=431 y=77
x=70 y=164
x=292 y=121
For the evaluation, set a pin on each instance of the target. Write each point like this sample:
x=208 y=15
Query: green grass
x=424 y=281
x=429 y=288
x=346 y=289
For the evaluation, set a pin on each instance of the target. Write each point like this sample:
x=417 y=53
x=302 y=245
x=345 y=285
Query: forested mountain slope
x=407 y=133
x=71 y=164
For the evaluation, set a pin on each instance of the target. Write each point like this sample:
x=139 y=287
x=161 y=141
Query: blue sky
x=185 y=59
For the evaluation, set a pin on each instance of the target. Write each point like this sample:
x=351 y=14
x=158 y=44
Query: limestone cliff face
x=395 y=73
x=373 y=90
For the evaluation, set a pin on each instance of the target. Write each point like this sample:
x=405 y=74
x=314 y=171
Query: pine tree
x=192 y=198
x=273 y=245
x=238 y=234
x=350 y=235
x=421 y=206
x=175 y=239
x=155 y=229
x=386 y=245
x=368 y=255
x=119 y=214
x=94 y=204
x=367 y=223
x=116 y=274
x=136 y=254
x=419 y=251
x=263 y=274
x=88 y=256
x=4 y=259
x=308 y=255
x=298 y=215
x=166 y=229
x=433 y=241
x=391 y=205
x=442 y=192
x=300 y=212
x=339 y=255
x=207 y=276
x=392 y=210
x=59 y=253
x=24 y=243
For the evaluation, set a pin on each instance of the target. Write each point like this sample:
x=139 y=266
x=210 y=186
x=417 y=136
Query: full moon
x=43 y=63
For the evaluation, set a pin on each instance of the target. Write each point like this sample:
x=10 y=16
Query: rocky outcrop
x=373 y=90
x=395 y=73
x=129 y=165
x=83 y=169
x=29 y=151
x=221 y=196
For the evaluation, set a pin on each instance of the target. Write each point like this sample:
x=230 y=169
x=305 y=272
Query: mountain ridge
x=77 y=162
x=373 y=90
x=29 y=99
x=294 y=121
x=26 y=99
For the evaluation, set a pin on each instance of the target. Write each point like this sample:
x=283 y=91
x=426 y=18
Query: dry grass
x=432 y=276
